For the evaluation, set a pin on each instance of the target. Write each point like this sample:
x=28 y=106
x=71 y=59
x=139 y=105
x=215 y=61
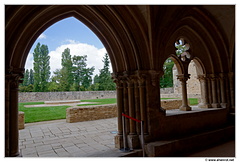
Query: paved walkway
x=60 y=139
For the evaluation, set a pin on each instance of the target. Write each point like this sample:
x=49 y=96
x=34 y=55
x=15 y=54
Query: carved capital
x=154 y=76
x=117 y=78
x=212 y=77
x=183 y=77
x=13 y=80
x=223 y=76
x=202 y=78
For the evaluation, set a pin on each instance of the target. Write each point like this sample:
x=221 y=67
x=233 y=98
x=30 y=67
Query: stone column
x=223 y=90
x=183 y=79
x=12 y=79
x=215 y=104
x=209 y=87
x=137 y=105
x=204 y=93
x=119 y=86
x=218 y=88
x=142 y=98
x=133 y=140
x=154 y=111
x=232 y=90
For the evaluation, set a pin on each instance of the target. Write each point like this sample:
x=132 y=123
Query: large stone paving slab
x=60 y=139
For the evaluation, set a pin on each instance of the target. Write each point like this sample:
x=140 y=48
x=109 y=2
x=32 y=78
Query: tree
x=82 y=74
x=167 y=79
x=31 y=78
x=26 y=78
x=105 y=80
x=41 y=68
x=66 y=71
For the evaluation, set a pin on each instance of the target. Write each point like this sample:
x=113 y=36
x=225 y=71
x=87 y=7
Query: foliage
x=27 y=85
x=181 y=47
x=82 y=74
x=73 y=76
x=66 y=75
x=167 y=79
x=104 y=79
x=41 y=68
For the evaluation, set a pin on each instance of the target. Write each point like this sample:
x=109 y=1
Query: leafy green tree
x=82 y=74
x=31 y=78
x=167 y=79
x=41 y=68
x=105 y=80
x=26 y=78
x=66 y=71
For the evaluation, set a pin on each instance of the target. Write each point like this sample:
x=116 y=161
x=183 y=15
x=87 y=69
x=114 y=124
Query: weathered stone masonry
x=56 y=96
x=138 y=96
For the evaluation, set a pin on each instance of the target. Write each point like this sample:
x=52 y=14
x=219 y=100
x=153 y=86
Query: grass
x=37 y=114
x=193 y=101
x=100 y=101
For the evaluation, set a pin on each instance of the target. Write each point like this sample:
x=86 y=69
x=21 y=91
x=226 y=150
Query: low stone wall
x=94 y=112
x=179 y=95
x=56 y=96
x=21 y=121
x=166 y=90
x=171 y=104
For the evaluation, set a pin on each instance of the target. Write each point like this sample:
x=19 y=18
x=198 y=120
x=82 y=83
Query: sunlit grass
x=37 y=114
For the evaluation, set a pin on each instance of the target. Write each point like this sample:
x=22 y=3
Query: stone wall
x=94 y=112
x=73 y=95
x=193 y=84
x=21 y=120
x=166 y=90
x=171 y=104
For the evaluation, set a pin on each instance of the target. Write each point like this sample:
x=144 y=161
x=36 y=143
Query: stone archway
x=138 y=39
x=132 y=68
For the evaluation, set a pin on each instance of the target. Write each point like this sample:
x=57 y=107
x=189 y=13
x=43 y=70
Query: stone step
x=189 y=144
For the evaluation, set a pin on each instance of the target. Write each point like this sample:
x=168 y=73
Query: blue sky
x=69 y=28
x=70 y=33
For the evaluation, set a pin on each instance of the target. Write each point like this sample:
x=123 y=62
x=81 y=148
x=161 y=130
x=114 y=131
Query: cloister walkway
x=86 y=139
x=60 y=139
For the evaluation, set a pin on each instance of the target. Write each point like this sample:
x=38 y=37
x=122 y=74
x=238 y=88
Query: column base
x=118 y=139
x=133 y=141
x=204 y=105
x=215 y=105
x=223 y=105
x=163 y=111
x=185 y=108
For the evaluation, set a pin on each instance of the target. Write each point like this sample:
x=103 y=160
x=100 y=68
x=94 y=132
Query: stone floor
x=86 y=139
x=60 y=139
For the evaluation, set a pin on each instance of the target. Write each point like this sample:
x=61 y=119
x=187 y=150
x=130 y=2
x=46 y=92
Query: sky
x=73 y=34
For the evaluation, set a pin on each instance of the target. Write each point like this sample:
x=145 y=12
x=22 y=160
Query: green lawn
x=37 y=114
x=100 y=101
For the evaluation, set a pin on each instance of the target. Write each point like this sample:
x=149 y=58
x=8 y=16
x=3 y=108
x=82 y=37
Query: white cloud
x=94 y=56
x=42 y=36
x=29 y=62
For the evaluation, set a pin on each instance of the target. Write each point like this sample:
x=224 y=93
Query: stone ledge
x=189 y=144
x=171 y=104
x=87 y=113
x=21 y=121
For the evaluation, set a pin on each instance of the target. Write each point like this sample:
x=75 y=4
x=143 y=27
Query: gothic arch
x=199 y=66
x=206 y=41
x=178 y=63
x=124 y=55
